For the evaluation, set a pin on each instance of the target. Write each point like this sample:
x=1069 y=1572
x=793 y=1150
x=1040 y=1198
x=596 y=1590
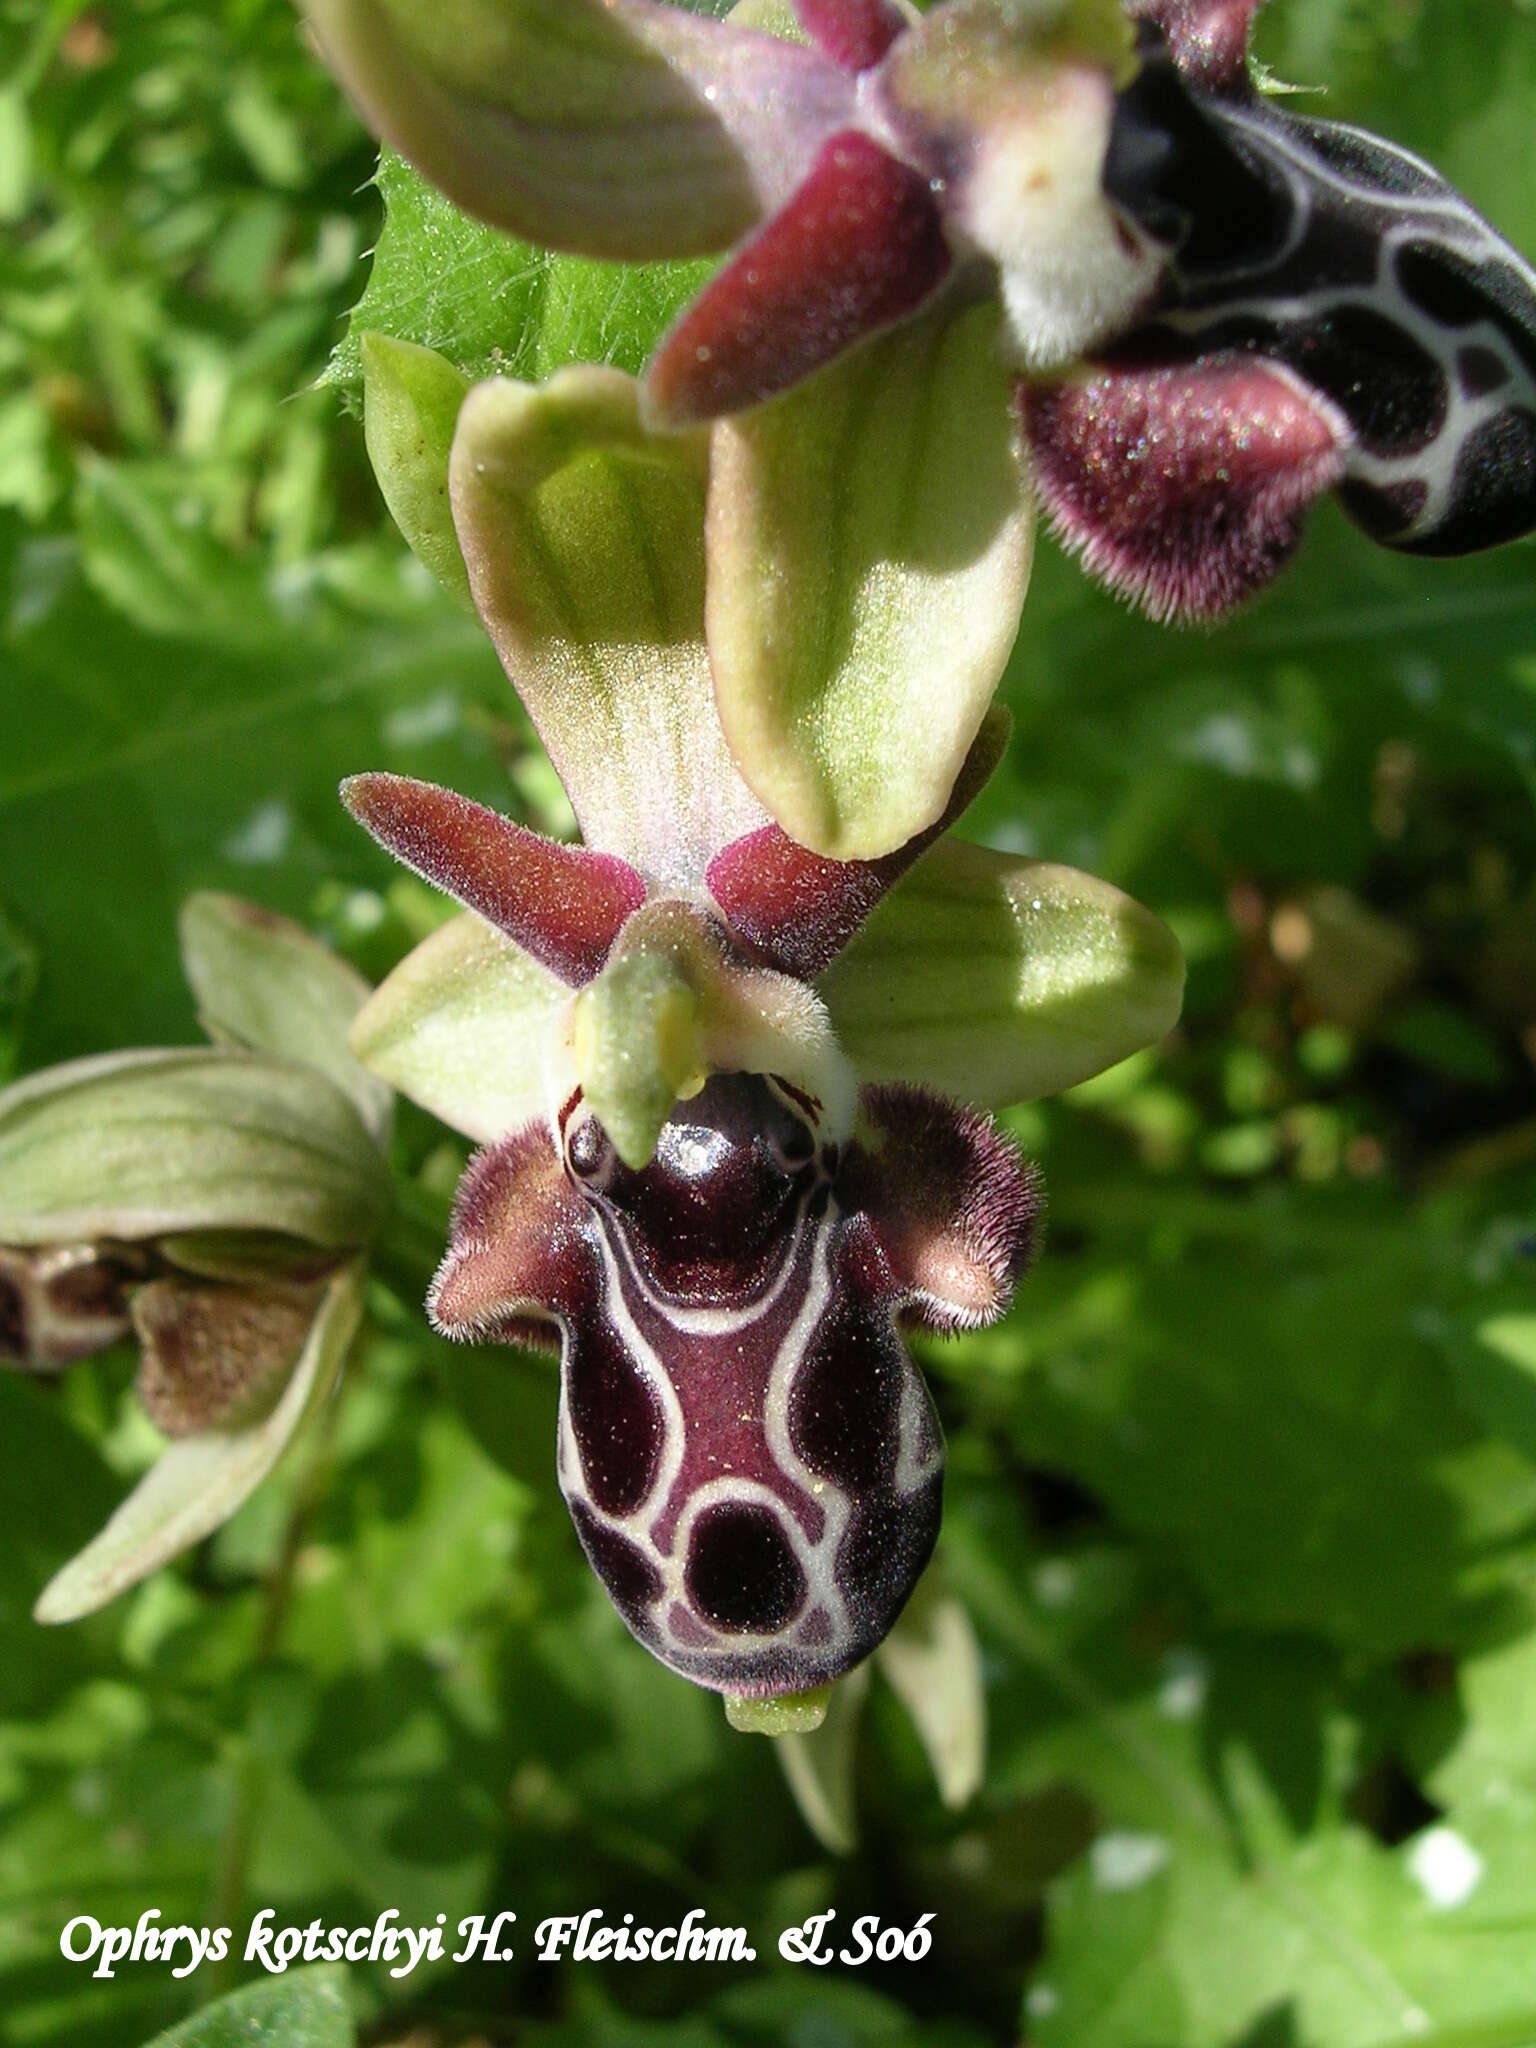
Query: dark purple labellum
x=1361 y=269
x=1328 y=259
x=750 y=1456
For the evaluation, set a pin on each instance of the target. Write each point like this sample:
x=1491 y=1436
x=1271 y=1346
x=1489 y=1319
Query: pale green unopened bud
x=138 y=1146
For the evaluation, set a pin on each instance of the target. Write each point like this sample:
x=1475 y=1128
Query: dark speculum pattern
x=743 y=1576
x=1480 y=371
x=616 y=1421
x=739 y=1409
x=631 y=1580
x=1171 y=166
x=709 y=1214
x=1496 y=478
x=751 y=1459
x=1360 y=269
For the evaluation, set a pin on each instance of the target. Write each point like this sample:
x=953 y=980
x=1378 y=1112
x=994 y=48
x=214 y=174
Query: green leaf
x=1256 y=1386
x=304 y=2009
x=496 y=306
x=998 y=979
x=1228 y=1896
x=18 y=983
x=869 y=551
x=262 y=982
x=197 y=1482
x=142 y=1145
x=212 y=759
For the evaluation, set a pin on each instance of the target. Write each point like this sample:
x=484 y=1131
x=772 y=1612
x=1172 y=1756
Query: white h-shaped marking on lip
x=818 y=1560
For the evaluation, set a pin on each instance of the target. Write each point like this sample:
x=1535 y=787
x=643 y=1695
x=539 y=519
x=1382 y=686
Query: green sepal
x=149 y=1144
x=460 y=1027
x=613 y=127
x=198 y=1481
x=932 y=1662
x=819 y=1767
x=411 y=401
x=999 y=979
x=265 y=983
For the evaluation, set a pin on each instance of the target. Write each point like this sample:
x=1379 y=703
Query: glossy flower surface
x=723 y=1165
x=1215 y=309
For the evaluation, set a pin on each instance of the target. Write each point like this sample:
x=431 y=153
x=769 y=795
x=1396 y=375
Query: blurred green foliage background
x=1243 y=1494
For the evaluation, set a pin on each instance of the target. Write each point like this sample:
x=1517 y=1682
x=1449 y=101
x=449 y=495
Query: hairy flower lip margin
x=691 y=1482
x=1404 y=381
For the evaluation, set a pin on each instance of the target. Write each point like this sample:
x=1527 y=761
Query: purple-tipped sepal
x=859 y=246
x=854 y=33
x=563 y=904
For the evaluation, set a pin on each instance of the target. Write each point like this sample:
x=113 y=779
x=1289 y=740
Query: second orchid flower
x=1215 y=309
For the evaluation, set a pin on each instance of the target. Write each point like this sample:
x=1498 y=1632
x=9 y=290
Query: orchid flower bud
x=215 y=1203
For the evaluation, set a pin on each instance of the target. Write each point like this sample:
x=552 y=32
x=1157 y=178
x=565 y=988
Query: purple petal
x=1184 y=488
x=859 y=246
x=955 y=1209
x=562 y=904
x=798 y=910
x=516 y=1259
x=1208 y=38
x=854 y=33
